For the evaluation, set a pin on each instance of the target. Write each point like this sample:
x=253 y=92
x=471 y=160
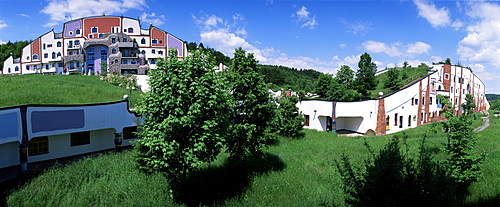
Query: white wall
x=349 y=114
x=127 y=23
x=9 y=63
x=317 y=120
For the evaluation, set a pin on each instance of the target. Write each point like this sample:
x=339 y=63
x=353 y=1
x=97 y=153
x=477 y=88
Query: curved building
x=93 y=45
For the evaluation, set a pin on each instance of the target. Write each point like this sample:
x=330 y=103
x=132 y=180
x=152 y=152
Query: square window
x=154 y=41
x=129 y=132
x=80 y=138
x=38 y=146
x=49 y=45
x=153 y=51
x=46 y=55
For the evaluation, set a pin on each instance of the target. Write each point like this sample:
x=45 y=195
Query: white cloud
x=152 y=18
x=24 y=15
x=64 y=10
x=380 y=47
x=3 y=24
x=482 y=43
x=2 y=42
x=397 y=49
x=303 y=17
x=343 y=45
x=418 y=48
x=436 y=17
x=360 y=27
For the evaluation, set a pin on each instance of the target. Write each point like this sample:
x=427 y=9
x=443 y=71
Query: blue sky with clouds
x=322 y=35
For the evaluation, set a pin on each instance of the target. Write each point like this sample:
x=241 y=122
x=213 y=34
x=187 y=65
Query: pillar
x=118 y=142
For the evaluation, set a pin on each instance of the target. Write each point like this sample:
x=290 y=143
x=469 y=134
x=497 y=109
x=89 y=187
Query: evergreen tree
x=323 y=84
x=185 y=116
x=365 y=77
x=290 y=119
x=252 y=109
x=393 y=80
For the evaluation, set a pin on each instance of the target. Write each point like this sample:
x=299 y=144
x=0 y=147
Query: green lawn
x=58 y=89
x=297 y=172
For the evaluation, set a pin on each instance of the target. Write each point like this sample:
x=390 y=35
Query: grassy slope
x=413 y=74
x=58 y=89
x=307 y=176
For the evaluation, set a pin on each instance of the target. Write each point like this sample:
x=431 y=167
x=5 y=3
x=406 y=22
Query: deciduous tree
x=252 y=109
x=365 y=77
x=185 y=116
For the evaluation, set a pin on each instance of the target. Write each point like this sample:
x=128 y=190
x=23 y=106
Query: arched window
x=58 y=54
x=16 y=69
x=143 y=52
x=8 y=70
x=53 y=55
x=35 y=57
x=130 y=30
x=113 y=51
x=143 y=41
x=387 y=126
x=59 y=44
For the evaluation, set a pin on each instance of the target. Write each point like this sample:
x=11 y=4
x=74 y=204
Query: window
x=45 y=55
x=8 y=70
x=71 y=33
x=152 y=61
x=409 y=120
x=416 y=101
x=306 y=117
x=77 y=42
x=16 y=68
x=124 y=39
x=60 y=65
x=452 y=90
x=80 y=138
x=124 y=62
x=53 y=55
x=153 y=51
x=27 y=67
x=143 y=52
x=446 y=76
x=113 y=40
x=46 y=67
x=143 y=41
x=387 y=126
x=133 y=62
x=59 y=44
x=94 y=30
x=129 y=132
x=113 y=51
x=401 y=122
x=154 y=41
x=423 y=99
x=130 y=30
x=160 y=52
x=430 y=101
x=101 y=35
x=49 y=45
x=58 y=54
x=77 y=31
x=44 y=46
x=90 y=36
x=412 y=101
x=38 y=146
x=396 y=119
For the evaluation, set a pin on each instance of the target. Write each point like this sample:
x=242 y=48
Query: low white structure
x=33 y=133
x=414 y=105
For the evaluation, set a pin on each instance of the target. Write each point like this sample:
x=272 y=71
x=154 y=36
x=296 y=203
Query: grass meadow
x=58 y=89
x=296 y=172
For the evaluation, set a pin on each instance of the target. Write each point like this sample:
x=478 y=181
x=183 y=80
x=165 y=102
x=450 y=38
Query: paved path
x=486 y=124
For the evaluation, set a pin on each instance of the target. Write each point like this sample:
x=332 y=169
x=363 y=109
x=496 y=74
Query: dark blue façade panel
x=57 y=120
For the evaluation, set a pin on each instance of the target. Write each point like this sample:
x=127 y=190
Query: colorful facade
x=414 y=105
x=93 y=45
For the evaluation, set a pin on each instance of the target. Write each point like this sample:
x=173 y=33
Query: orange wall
x=103 y=24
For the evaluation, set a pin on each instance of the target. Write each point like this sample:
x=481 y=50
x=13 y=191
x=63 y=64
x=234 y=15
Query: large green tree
x=185 y=116
x=393 y=80
x=365 y=76
x=341 y=87
x=290 y=120
x=252 y=109
x=323 y=84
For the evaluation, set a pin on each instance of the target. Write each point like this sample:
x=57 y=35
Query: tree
x=365 y=77
x=448 y=61
x=289 y=119
x=393 y=80
x=345 y=75
x=423 y=65
x=252 y=110
x=405 y=64
x=185 y=116
x=469 y=105
x=323 y=83
x=464 y=164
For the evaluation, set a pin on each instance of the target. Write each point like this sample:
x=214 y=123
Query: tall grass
x=297 y=172
x=58 y=89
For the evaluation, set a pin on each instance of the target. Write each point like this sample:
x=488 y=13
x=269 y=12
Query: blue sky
x=321 y=34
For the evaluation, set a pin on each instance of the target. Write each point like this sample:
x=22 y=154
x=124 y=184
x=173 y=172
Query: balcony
x=69 y=58
x=74 y=47
x=125 y=44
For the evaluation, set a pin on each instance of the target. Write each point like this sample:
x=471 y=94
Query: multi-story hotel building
x=93 y=45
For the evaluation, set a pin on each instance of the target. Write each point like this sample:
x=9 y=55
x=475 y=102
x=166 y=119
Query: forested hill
x=281 y=77
x=14 y=48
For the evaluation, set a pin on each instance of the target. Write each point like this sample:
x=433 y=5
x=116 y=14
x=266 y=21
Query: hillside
x=58 y=89
x=281 y=77
x=406 y=76
x=492 y=97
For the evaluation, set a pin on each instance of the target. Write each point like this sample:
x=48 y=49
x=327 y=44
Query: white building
x=414 y=105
